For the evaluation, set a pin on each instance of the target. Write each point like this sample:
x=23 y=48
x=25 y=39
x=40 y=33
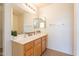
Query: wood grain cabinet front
x=29 y=52
x=28 y=49
x=33 y=48
x=37 y=47
x=28 y=46
x=44 y=43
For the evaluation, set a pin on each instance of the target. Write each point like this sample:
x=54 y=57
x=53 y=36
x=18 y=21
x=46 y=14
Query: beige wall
x=59 y=18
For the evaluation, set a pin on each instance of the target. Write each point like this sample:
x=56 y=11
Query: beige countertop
x=23 y=39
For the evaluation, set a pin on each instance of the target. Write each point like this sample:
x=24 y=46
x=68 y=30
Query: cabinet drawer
x=37 y=41
x=28 y=46
x=29 y=52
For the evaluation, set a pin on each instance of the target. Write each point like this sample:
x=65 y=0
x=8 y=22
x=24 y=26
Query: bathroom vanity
x=34 y=45
x=32 y=40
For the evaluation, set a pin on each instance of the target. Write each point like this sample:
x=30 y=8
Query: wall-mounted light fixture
x=30 y=7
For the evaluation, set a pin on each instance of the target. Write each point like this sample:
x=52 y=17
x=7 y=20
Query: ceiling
x=37 y=5
x=41 y=5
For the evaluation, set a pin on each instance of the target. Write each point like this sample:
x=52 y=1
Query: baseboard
x=60 y=52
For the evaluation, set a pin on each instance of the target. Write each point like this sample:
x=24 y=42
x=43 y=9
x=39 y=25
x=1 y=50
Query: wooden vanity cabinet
x=37 y=47
x=29 y=52
x=22 y=50
x=33 y=48
x=28 y=49
x=44 y=43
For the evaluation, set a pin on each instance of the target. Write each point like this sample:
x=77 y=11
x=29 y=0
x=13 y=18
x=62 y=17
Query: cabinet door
x=43 y=45
x=28 y=46
x=46 y=41
x=37 y=50
x=28 y=49
x=29 y=52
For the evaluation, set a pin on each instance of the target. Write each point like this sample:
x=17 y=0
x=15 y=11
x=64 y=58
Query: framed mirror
x=39 y=23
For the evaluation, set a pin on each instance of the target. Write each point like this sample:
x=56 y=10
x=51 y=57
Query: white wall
x=76 y=29
x=7 y=30
x=59 y=18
